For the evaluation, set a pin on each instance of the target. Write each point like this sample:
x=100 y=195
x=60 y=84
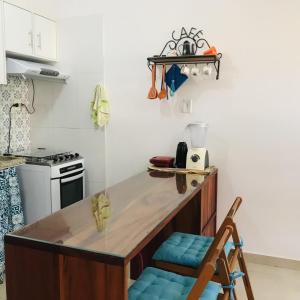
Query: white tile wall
x=63 y=118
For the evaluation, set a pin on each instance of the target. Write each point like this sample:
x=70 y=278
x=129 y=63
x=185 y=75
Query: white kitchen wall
x=2 y=51
x=43 y=7
x=253 y=111
x=62 y=119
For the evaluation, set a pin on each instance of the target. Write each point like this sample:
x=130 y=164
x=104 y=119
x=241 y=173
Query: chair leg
x=223 y=269
x=246 y=279
x=242 y=264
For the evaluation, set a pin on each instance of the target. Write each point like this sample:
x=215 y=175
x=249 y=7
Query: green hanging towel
x=100 y=107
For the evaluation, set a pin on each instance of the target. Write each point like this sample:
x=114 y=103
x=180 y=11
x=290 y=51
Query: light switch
x=187 y=106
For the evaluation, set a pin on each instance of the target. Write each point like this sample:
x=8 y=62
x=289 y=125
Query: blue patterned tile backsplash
x=17 y=90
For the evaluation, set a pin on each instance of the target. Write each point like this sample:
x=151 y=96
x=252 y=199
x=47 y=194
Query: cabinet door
x=45 y=33
x=209 y=206
x=18 y=30
x=2 y=49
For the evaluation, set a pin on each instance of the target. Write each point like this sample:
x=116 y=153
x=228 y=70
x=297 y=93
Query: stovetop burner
x=43 y=156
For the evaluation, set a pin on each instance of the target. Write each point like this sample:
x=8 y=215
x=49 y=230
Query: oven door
x=67 y=190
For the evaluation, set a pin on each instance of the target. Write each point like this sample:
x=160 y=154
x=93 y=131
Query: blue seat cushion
x=186 y=249
x=156 y=284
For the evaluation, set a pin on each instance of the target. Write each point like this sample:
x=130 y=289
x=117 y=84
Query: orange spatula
x=153 y=91
x=163 y=93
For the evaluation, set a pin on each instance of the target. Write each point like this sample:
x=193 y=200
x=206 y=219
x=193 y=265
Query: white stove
x=50 y=181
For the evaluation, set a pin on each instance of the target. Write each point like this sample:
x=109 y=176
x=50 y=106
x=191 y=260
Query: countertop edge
x=63 y=249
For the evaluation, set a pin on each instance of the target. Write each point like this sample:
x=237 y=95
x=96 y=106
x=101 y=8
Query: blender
x=197 y=156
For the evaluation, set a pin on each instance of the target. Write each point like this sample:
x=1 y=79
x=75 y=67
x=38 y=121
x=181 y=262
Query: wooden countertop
x=139 y=207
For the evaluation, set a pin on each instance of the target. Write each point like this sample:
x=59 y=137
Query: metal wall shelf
x=187 y=60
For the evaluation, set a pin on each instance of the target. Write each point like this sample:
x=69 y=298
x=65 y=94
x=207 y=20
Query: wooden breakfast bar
x=89 y=251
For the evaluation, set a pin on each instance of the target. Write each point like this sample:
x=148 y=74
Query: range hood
x=29 y=69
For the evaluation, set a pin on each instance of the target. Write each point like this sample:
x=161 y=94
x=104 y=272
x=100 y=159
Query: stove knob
x=61 y=158
x=195 y=158
x=55 y=159
x=76 y=155
x=67 y=156
x=72 y=156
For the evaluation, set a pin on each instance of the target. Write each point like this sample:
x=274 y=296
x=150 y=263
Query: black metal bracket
x=193 y=36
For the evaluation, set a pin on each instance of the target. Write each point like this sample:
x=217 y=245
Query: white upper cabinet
x=2 y=48
x=28 y=34
x=45 y=38
x=18 y=30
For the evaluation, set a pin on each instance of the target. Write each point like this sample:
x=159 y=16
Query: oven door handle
x=68 y=179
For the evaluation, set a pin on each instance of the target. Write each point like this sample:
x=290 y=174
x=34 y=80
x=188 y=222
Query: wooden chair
x=186 y=253
x=158 y=284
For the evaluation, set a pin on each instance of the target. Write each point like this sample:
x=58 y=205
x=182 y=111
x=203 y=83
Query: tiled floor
x=268 y=283
x=272 y=283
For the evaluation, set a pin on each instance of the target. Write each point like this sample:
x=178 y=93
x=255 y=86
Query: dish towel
x=175 y=79
x=100 y=107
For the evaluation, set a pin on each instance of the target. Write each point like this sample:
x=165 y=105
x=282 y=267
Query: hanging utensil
x=153 y=91
x=163 y=93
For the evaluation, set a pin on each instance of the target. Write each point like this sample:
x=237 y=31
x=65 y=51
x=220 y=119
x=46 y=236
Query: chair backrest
x=235 y=206
x=227 y=221
x=208 y=268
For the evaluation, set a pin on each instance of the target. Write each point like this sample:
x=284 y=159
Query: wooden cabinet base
x=36 y=274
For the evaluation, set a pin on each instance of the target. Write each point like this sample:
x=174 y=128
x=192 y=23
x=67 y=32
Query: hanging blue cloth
x=11 y=211
x=174 y=78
